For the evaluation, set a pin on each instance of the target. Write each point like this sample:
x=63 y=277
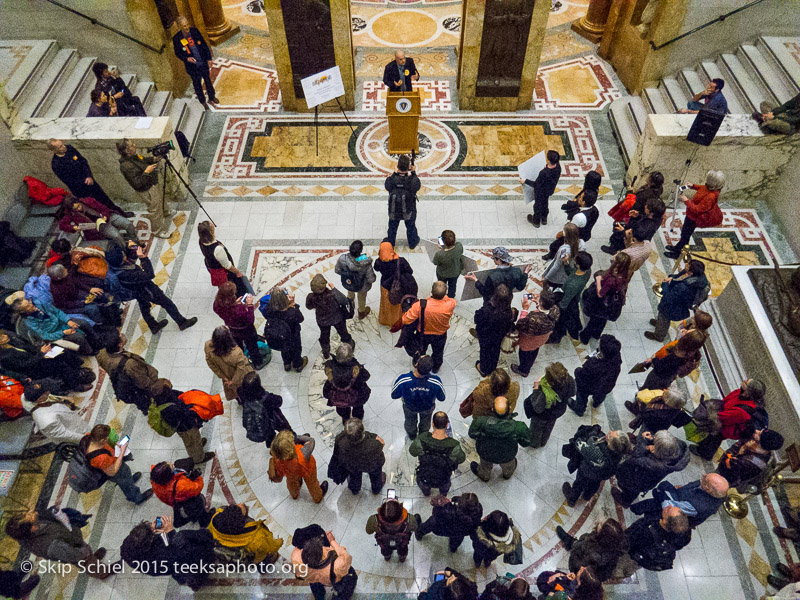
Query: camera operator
x=403 y=186
x=141 y=172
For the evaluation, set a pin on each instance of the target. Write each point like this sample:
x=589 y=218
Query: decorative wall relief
x=506 y=26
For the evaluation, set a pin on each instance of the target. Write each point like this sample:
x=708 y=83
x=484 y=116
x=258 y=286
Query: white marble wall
x=96 y=139
x=752 y=162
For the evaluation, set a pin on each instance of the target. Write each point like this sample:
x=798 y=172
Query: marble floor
x=285 y=214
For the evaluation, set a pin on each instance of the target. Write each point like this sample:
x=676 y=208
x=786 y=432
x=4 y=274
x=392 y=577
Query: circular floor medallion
x=406 y=28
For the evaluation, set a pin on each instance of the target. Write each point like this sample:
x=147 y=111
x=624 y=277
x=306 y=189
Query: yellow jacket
x=257 y=539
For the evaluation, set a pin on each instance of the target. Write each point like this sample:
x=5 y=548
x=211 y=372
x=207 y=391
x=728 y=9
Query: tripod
x=316 y=122
x=170 y=166
x=677 y=194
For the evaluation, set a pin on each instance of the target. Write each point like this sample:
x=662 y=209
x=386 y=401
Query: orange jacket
x=10 y=397
x=205 y=405
x=296 y=467
x=181 y=488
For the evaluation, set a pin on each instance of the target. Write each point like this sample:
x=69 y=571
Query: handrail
x=704 y=25
x=94 y=21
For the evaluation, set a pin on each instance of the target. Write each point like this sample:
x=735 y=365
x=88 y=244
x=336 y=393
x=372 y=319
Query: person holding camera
x=181 y=487
x=142 y=175
x=403 y=186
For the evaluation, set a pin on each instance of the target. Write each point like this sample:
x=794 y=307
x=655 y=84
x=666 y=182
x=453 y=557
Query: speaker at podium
x=403 y=110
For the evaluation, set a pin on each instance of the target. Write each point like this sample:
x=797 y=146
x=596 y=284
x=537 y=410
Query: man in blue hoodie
x=419 y=390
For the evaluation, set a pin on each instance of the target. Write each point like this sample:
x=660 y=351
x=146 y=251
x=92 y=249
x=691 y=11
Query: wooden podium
x=402 y=109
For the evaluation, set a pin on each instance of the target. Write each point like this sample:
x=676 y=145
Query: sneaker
x=159 y=325
x=207 y=457
x=616 y=493
x=144 y=497
x=86 y=375
x=607 y=249
x=533 y=221
x=516 y=370
x=650 y=335
x=473 y=466
x=418 y=534
x=363 y=315
x=402 y=558
x=571 y=406
x=547 y=256
x=203 y=441
x=187 y=323
x=303 y=366
x=162 y=233
x=324 y=487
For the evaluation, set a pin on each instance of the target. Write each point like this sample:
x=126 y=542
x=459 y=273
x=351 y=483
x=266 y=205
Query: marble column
x=217 y=25
x=499 y=53
x=309 y=36
x=592 y=24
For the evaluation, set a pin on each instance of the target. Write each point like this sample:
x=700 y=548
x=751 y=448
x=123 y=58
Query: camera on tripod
x=162 y=149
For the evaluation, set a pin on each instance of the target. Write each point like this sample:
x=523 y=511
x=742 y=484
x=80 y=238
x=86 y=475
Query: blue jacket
x=37 y=290
x=418 y=393
x=703 y=503
x=48 y=324
x=680 y=295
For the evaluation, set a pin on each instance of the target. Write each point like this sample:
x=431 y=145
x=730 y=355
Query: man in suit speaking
x=399 y=73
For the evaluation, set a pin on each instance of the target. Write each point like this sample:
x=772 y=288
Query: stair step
x=129 y=79
x=80 y=101
x=158 y=104
x=784 y=59
x=35 y=61
x=144 y=89
x=58 y=106
x=693 y=81
x=764 y=71
x=673 y=91
x=51 y=78
x=733 y=96
x=755 y=93
x=638 y=113
x=624 y=128
x=178 y=113
x=193 y=121
x=656 y=102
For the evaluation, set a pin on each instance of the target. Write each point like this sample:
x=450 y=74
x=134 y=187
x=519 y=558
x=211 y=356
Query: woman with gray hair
x=653 y=458
x=663 y=412
x=701 y=211
x=346 y=388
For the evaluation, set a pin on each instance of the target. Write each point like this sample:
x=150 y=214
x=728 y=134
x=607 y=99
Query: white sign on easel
x=530 y=170
x=323 y=86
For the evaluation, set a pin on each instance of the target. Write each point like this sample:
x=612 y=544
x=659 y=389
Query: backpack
x=115 y=288
x=387 y=538
x=434 y=466
x=126 y=390
x=340 y=397
x=352 y=281
x=277 y=333
x=82 y=476
x=613 y=302
x=346 y=306
x=401 y=201
x=155 y=421
x=254 y=419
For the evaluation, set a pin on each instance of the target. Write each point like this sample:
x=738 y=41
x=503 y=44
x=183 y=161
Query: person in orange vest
x=182 y=489
x=185 y=413
x=291 y=458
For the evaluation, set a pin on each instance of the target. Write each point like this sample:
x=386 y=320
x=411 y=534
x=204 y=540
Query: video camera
x=162 y=149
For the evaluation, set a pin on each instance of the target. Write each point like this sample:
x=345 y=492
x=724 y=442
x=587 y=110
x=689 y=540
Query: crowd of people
x=74 y=310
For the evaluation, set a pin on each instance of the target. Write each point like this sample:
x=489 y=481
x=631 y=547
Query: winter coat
x=703 y=208
x=179 y=489
x=39 y=193
x=543 y=419
x=340 y=376
x=57 y=422
x=37 y=290
x=365 y=456
x=598 y=375
x=326 y=306
x=651 y=546
x=498 y=438
x=498 y=545
x=183 y=558
x=11 y=392
x=48 y=324
x=656 y=416
x=492 y=323
x=588 y=453
x=237 y=316
x=483 y=398
x=388 y=271
x=642 y=470
x=79 y=217
x=535 y=328
x=231 y=368
x=588 y=551
x=679 y=295
x=292 y=317
x=449 y=520
x=514 y=277
x=53 y=541
x=273 y=421
x=734 y=414
x=256 y=538
x=346 y=262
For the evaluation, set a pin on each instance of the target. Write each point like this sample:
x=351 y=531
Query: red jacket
x=10 y=397
x=71 y=218
x=703 y=208
x=181 y=488
x=732 y=416
x=41 y=194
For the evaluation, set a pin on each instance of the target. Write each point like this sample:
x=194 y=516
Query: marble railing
x=96 y=139
x=752 y=161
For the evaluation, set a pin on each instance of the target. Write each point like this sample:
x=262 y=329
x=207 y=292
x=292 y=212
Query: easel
x=316 y=122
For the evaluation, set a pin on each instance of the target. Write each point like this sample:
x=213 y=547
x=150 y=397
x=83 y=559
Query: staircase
x=762 y=70
x=53 y=82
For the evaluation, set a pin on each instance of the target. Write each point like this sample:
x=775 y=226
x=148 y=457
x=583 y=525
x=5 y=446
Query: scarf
x=386 y=252
x=550 y=396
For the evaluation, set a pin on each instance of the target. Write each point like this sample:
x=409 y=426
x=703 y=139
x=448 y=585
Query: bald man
x=497 y=439
x=193 y=50
x=699 y=499
x=653 y=541
x=438 y=310
x=399 y=73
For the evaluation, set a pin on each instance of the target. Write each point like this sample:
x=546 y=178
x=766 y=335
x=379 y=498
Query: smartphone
x=245 y=298
x=441 y=241
x=391 y=494
x=683 y=188
x=529 y=296
x=124 y=440
x=438 y=577
x=159 y=523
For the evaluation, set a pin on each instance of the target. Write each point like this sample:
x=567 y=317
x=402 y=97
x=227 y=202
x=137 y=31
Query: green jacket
x=497 y=438
x=133 y=167
x=789 y=111
x=456 y=453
